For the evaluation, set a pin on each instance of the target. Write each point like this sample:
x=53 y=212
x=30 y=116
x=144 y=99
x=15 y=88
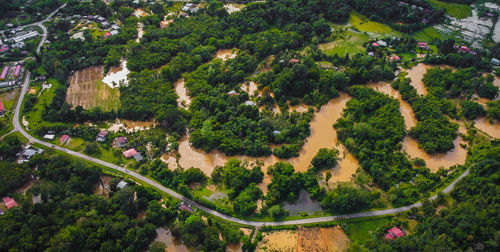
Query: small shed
x=49 y=136
x=138 y=157
x=121 y=185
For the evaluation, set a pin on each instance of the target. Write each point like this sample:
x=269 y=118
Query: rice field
x=455 y=10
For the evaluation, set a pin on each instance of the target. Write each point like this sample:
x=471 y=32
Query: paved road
x=39 y=22
x=17 y=127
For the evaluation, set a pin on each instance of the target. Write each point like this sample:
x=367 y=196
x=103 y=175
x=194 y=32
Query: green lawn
x=107 y=98
x=455 y=10
x=359 y=231
x=34 y=117
x=349 y=42
x=363 y=24
x=428 y=34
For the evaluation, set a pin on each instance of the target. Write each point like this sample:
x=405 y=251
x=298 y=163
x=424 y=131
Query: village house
x=250 y=103
x=4 y=48
x=129 y=153
x=64 y=139
x=4 y=73
x=393 y=233
x=232 y=92
x=49 y=136
x=2 y=109
x=495 y=61
x=101 y=137
x=9 y=202
x=293 y=61
x=120 y=142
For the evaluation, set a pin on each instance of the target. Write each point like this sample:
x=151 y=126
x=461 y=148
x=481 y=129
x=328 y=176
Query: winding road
x=18 y=127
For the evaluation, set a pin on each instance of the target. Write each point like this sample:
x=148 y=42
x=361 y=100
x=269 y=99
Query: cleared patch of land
x=360 y=231
x=87 y=90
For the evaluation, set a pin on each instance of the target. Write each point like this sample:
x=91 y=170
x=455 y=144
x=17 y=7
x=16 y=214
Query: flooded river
x=184 y=100
x=492 y=129
x=323 y=135
x=404 y=107
x=416 y=74
x=172 y=245
x=226 y=54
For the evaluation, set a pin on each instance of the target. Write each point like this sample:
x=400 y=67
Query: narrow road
x=17 y=127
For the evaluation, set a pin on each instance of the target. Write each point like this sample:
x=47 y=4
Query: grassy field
x=455 y=10
x=34 y=117
x=376 y=29
x=359 y=231
x=350 y=42
x=428 y=34
x=108 y=98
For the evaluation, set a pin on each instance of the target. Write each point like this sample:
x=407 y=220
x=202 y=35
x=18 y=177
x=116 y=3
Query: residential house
x=120 y=142
x=29 y=153
x=464 y=49
x=4 y=48
x=18 y=45
x=101 y=137
x=2 y=108
x=250 y=103
x=375 y=44
x=64 y=139
x=495 y=61
x=382 y=43
x=42 y=77
x=107 y=35
x=232 y=92
x=395 y=58
x=393 y=233
x=17 y=71
x=105 y=24
x=293 y=61
x=9 y=202
x=129 y=153
x=422 y=45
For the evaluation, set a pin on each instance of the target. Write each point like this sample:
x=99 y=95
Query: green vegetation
x=453 y=9
x=360 y=231
x=324 y=159
x=348 y=42
x=469 y=221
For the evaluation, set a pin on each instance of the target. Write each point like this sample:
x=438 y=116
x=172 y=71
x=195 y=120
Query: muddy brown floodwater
x=164 y=235
x=226 y=54
x=492 y=129
x=416 y=74
x=184 y=100
x=323 y=135
x=404 y=107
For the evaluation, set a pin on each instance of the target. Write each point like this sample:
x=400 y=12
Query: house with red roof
x=375 y=44
x=4 y=48
x=464 y=49
x=107 y=35
x=395 y=58
x=9 y=202
x=293 y=61
x=393 y=233
x=129 y=153
x=2 y=108
x=422 y=45
x=64 y=139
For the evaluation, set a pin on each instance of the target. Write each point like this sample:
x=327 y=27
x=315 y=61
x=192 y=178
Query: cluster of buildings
x=11 y=75
x=120 y=142
x=113 y=28
x=190 y=8
x=27 y=153
x=16 y=39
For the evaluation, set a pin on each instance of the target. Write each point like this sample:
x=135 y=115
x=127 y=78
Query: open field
x=428 y=34
x=34 y=116
x=363 y=24
x=350 y=42
x=360 y=231
x=87 y=90
x=455 y=10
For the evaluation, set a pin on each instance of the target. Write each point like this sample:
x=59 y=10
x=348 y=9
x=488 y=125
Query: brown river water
x=323 y=135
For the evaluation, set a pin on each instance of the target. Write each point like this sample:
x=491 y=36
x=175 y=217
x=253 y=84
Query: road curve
x=17 y=127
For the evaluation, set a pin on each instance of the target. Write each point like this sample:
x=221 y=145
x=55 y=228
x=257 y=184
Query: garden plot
x=87 y=90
